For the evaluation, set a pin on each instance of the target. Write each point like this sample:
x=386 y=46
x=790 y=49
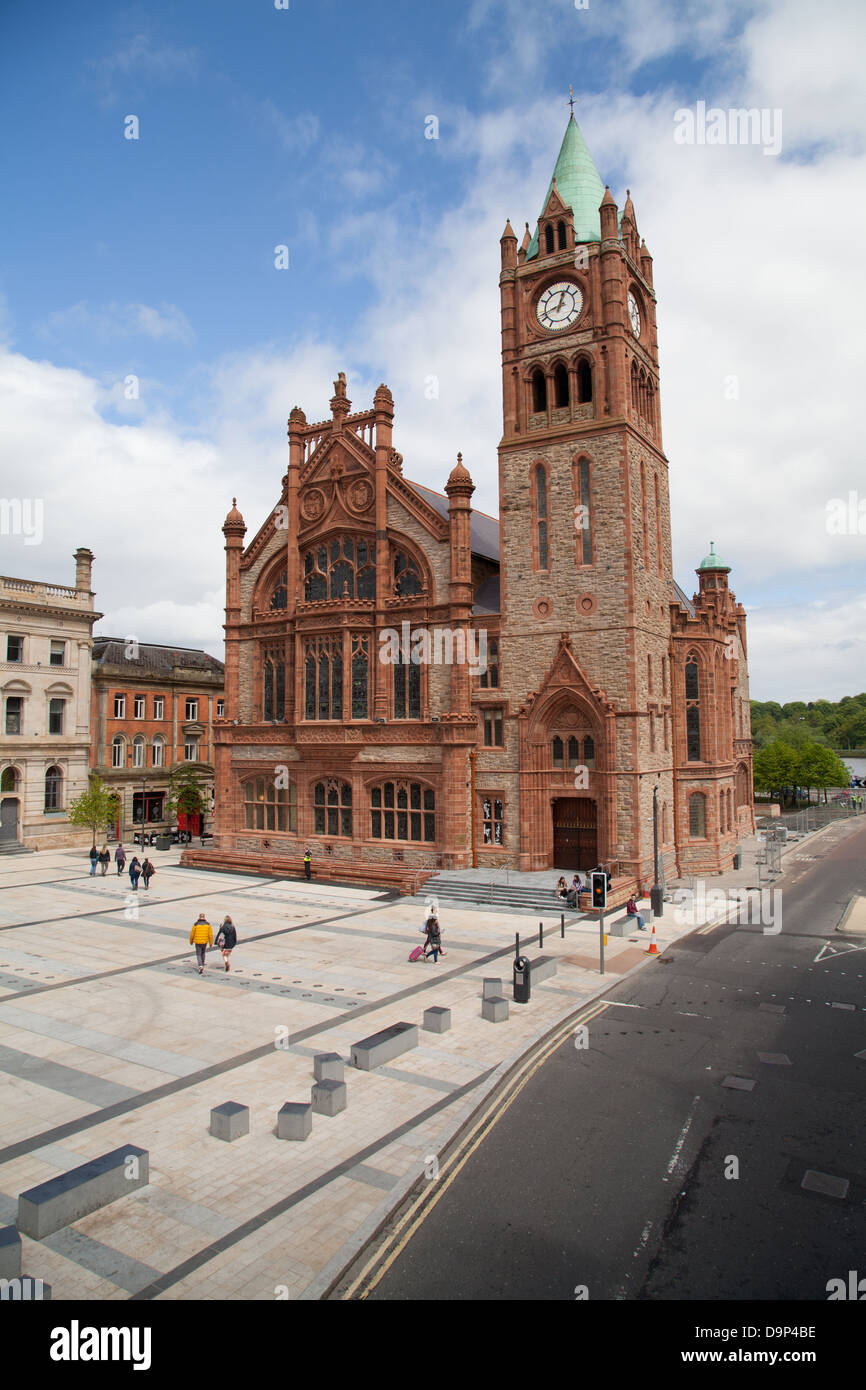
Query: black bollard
x=541 y=934
x=562 y=925
x=517 y=943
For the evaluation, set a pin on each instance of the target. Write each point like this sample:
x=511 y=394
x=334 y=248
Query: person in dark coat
x=134 y=871
x=104 y=859
x=433 y=942
x=226 y=939
x=94 y=860
x=308 y=865
x=120 y=859
x=147 y=872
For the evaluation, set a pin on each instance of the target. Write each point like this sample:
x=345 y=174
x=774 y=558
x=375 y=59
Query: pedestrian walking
x=94 y=860
x=147 y=872
x=631 y=911
x=227 y=939
x=104 y=859
x=308 y=865
x=134 y=871
x=201 y=937
x=120 y=859
x=433 y=944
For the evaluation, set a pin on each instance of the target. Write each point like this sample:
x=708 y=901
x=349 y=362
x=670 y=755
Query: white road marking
x=682 y=1139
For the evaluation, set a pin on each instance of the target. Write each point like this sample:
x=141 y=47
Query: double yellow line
x=493 y=1109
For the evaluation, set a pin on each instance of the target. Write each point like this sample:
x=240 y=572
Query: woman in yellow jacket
x=201 y=937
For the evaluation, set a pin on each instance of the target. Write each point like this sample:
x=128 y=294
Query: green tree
x=97 y=808
x=186 y=793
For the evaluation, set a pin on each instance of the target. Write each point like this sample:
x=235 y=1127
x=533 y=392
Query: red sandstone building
x=603 y=681
x=152 y=709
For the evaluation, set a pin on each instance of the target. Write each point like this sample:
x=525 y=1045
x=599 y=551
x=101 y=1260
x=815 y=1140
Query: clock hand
x=559 y=305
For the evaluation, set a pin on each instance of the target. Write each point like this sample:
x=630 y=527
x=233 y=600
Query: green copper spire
x=579 y=186
x=712 y=561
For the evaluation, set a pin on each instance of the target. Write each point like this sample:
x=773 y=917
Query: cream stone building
x=46 y=639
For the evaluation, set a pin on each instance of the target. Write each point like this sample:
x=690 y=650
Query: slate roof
x=111 y=651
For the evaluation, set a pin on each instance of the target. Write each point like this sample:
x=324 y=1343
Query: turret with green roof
x=713 y=561
x=578 y=184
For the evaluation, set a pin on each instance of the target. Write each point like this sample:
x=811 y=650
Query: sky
x=151 y=349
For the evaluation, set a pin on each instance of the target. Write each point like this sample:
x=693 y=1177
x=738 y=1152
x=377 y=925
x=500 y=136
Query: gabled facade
x=547 y=753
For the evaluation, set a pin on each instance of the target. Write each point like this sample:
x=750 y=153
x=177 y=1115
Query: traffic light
x=599 y=889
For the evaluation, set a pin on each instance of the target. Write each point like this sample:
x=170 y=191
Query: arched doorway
x=575 y=832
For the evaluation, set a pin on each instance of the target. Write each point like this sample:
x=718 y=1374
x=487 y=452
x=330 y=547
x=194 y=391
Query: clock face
x=634 y=315
x=560 y=306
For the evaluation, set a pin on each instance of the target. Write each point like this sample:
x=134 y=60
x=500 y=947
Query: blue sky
x=305 y=127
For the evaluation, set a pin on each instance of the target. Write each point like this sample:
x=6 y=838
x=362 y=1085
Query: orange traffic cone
x=653 y=948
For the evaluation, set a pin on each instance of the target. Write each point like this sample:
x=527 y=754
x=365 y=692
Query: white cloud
x=120 y=321
x=141 y=59
x=758 y=279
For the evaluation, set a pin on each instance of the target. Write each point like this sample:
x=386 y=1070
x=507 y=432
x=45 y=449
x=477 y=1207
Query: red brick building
x=152 y=709
x=602 y=679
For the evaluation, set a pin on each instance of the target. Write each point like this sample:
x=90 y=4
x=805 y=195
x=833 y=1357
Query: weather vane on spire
x=571 y=99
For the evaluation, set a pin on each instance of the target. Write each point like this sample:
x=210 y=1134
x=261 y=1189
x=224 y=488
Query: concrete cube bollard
x=328 y=1066
x=329 y=1097
x=384 y=1046
x=491 y=989
x=295 y=1120
x=494 y=1009
x=230 y=1121
x=10 y=1253
x=437 y=1020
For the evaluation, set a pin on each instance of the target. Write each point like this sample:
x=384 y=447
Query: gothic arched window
x=582 y=513
x=548 y=238
x=584 y=382
x=323 y=678
x=693 y=711
x=573 y=751
x=407 y=580
x=539 y=391
x=360 y=675
x=697 y=816
x=560 y=232
x=274 y=684
x=269 y=807
x=402 y=811
x=541 y=514
x=332 y=808
x=279 y=593
x=345 y=565
x=560 y=385
x=589 y=751
x=558 y=749
x=634 y=401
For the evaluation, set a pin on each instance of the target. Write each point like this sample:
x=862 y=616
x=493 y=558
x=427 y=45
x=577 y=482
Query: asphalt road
x=612 y=1169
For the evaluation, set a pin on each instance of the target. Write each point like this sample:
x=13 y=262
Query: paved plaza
x=109 y=1036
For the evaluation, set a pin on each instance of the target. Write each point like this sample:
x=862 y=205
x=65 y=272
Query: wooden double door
x=575 y=833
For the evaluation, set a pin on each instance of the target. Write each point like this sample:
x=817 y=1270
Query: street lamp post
x=655 y=891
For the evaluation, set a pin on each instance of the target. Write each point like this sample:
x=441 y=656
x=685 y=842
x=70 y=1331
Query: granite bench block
x=295 y=1120
x=328 y=1066
x=491 y=988
x=329 y=1097
x=383 y=1047
x=66 y=1198
x=437 y=1020
x=494 y=1009
x=542 y=968
x=10 y=1253
x=230 y=1121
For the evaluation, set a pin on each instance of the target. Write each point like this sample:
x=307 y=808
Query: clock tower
x=586 y=571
